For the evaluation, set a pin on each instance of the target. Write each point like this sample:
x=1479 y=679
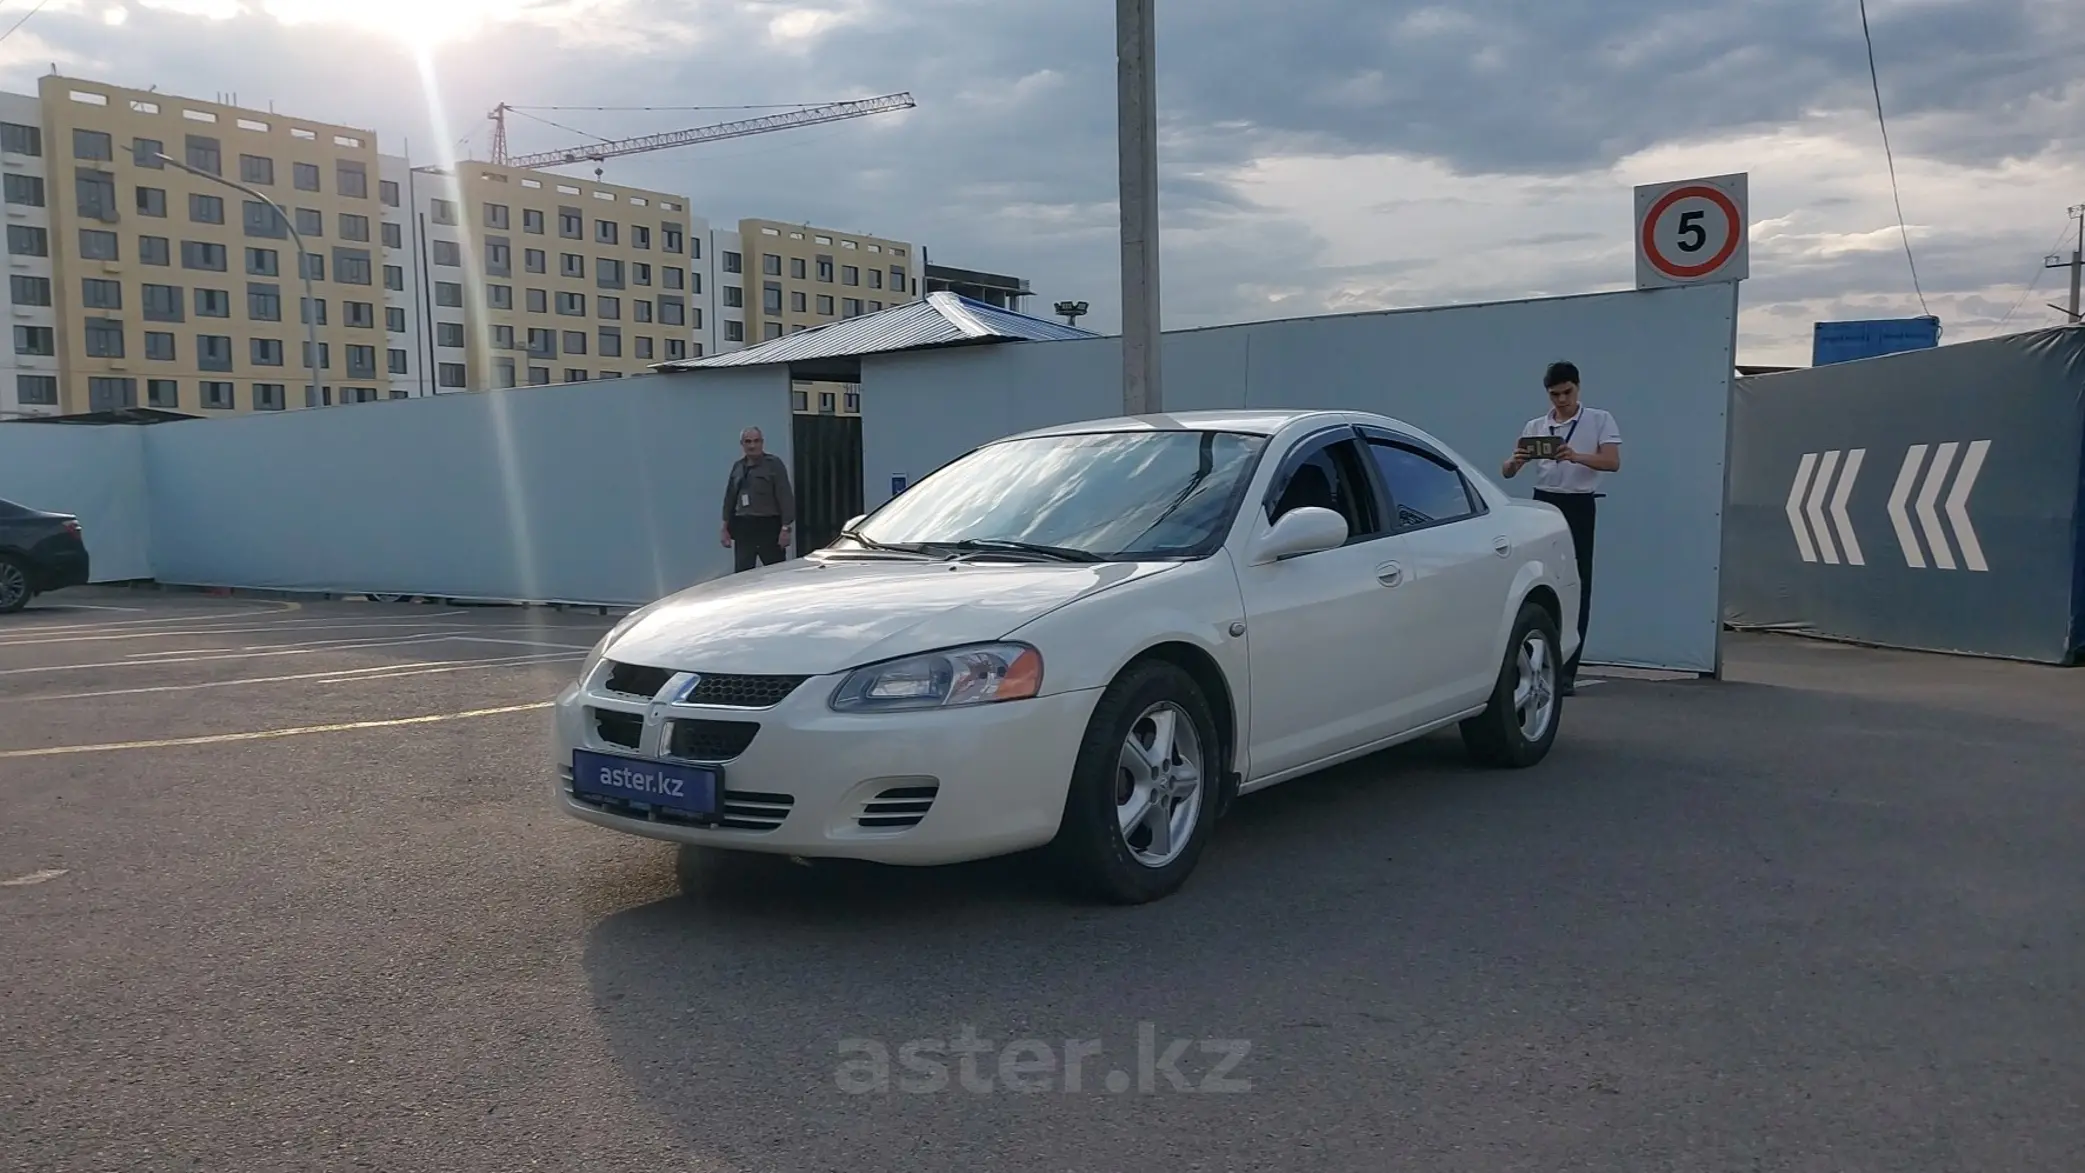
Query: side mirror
x=1307 y=530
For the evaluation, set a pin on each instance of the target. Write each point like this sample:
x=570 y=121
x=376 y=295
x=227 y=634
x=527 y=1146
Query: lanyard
x=1575 y=421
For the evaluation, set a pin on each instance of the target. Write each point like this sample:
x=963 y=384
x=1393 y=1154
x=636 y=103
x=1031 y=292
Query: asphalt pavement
x=281 y=887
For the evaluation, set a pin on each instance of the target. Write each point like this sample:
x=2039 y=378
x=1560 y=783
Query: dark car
x=39 y=551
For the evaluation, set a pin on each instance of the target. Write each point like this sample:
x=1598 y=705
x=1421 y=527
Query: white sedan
x=1093 y=637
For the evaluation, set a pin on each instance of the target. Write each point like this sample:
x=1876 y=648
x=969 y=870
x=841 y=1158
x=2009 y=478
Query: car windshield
x=1109 y=495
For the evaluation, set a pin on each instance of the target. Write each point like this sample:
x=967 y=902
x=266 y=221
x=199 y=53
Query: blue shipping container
x=1846 y=341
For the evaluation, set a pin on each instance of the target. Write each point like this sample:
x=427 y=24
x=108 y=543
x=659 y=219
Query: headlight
x=981 y=675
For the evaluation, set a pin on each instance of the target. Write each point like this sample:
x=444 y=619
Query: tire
x=1094 y=855
x=388 y=598
x=1500 y=736
x=15 y=585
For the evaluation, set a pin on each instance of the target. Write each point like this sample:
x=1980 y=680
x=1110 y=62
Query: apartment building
x=542 y=278
x=174 y=290
x=144 y=273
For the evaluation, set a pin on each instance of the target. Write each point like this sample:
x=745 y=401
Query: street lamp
x=311 y=305
x=1072 y=311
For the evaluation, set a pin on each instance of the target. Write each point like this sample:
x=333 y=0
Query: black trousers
x=755 y=537
x=1579 y=510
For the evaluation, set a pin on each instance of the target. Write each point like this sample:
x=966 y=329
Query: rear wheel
x=14 y=585
x=1143 y=796
x=1520 y=724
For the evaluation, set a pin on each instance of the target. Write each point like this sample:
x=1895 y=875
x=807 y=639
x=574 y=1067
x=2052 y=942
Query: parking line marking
x=45 y=876
x=335 y=676
x=266 y=734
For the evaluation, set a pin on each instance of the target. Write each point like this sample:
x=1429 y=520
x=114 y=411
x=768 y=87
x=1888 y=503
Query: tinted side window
x=1422 y=490
x=1334 y=478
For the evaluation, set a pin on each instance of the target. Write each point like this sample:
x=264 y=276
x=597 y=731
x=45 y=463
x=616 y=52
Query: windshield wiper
x=873 y=544
x=1060 y=553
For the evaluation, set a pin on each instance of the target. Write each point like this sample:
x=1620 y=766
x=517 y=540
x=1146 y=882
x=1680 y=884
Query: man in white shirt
x=1591 y=447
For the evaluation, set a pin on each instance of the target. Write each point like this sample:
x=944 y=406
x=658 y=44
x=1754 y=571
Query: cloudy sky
x=1317 y=155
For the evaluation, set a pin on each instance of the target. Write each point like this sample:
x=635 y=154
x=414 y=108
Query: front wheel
x=1520 y=724
x=1143 y=796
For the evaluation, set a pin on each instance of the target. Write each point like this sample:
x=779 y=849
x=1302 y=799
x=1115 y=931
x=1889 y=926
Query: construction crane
x=614 y=148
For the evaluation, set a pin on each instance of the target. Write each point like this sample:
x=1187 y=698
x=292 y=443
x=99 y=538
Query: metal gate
x=828 y=475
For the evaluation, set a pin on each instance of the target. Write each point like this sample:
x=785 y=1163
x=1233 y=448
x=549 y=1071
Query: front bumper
x=921 y=788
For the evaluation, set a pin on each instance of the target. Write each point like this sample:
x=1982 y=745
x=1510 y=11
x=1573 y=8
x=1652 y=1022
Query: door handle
x=1389 y=574
x=1502 y=546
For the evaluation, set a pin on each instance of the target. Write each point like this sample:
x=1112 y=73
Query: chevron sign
x=1824 y=482
x=1928 y=495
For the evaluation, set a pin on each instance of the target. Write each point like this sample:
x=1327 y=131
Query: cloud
x=1343 y=154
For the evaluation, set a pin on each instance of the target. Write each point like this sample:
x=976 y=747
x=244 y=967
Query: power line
x=24 y=20
x=2061 y=233
x=1875 y=80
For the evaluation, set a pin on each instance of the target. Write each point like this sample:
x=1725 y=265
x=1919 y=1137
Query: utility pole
x=1136 y=134
x=2076 y=265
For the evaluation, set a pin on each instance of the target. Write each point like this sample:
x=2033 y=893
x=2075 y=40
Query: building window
x=447 y=252
x=678 y=348
x=163 y=303
x=575 y=342
x=503 y=337
x=771 y=330
x=539 y=376
x=394 y=277
x=96 y=191
x=734 y=331
x=99 y=294
x=205 y=209
x=304 y=315
x=538 y=301
x=397 y=359
x=771 y=264
x=449 y=374
x=825 y=270
x=92 y=144
x=851 y=307
x=495 y=215
x=608 y=273
x=36 y=390
x=799 y=302
x=104 y=338
x=213 y=352
x=325 y=355
x=256 y=169
x=611 y=342
x=771 y=297
x=499 y=297
x=532 y=221
x=25 y=190
x=35 y=340
x=353 y=227
x=503 y=372
x=155 y=250
x=825 y=304
x=644 y=346
x=265 y=352
x=640 y=274
x=542 y=343
x=641 y=310
x=262 y=262
x=571 y=304
x=261 y=220
x=670 y=241
x=304 y=176
x=162 y=393
x=671 y=278
x=213 y=303
x=152 y=201
x=387 y=191
x=609 y=308
x=361 y=362
x=217 y=396
x=107 y=394
x=352 y=266
x=733 y=263
x=361 y=315
x=394 y=319
x=499 y=259
x=575 y=375
x=441 y=211
x=202 y=255
x=734 y=297
x=640 y=236
x=672 y=311
x=159 y=346
x=26 y=241
x=351 y=178
x=30 y=290
x=312 y=265
x=850 y=275
x=394 y=236
x=448 y=334
x=875 y=278
x=448 y=294
x=145 y=152
x=263 y=302
x=570 y=224
x=605 y=232
x=310 y=222
x=204 y=154
x=535 y=260
x=571 y=265
x=17 y=139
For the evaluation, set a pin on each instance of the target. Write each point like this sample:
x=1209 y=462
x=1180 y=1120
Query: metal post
x=311 y=305
x=1136 y=103
x=2077 y=261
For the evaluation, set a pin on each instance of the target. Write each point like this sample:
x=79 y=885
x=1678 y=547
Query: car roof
x=1261 y=422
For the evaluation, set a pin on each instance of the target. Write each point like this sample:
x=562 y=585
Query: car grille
x=636 y=680
x=898 y=807
x=619 y=728
x=710 y=741
x=742 y=692
x=724 y=690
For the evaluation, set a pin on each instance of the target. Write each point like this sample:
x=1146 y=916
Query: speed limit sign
x=1692 y=232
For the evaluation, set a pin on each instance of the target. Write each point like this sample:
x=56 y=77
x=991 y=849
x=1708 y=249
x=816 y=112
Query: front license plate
x=683 y=789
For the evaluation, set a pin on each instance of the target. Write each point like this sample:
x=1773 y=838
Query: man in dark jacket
x=759 y=509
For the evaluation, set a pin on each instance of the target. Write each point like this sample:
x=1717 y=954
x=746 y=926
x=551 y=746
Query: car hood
x=812 y=617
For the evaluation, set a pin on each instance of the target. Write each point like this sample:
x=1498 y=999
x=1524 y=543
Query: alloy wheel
x=1535 y=692
x=1159 y=784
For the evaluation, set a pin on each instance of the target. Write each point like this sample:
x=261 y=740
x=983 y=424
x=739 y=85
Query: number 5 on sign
x=1692 y=232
